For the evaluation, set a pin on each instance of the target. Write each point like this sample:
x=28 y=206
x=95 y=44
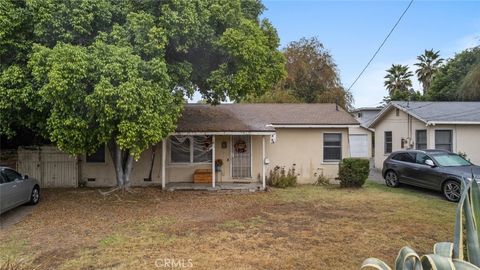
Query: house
x=361 y=137
x=365 y=115
x=453 y=126
x=249 y=139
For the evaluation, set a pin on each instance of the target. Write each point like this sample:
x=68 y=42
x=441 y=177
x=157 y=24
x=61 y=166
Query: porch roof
x=260 y=117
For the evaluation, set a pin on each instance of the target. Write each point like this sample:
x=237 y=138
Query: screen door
x=241 y=157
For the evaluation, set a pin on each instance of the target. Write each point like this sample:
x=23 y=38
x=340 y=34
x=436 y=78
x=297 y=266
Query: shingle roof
x=437 y=112
x=258 y=117
x=443 y=111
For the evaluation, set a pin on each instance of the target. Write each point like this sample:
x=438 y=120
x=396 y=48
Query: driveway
x=14 y=216
x=376 y=176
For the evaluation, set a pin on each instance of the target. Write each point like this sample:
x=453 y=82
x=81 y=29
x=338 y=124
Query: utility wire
x=381 y=45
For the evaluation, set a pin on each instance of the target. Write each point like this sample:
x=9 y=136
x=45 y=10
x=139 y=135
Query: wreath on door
x=240 y=146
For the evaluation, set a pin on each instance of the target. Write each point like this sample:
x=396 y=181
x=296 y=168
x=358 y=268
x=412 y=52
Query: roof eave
x=433 y=123
x=313 y=125
x=185 y=133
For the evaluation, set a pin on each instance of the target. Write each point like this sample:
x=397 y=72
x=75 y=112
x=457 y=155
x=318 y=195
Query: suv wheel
x=391 y=179
x=451 y=190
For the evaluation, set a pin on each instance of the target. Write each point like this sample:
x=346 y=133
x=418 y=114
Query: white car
x=16 y=189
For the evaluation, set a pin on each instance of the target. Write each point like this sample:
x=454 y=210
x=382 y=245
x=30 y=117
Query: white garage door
x=359 y=145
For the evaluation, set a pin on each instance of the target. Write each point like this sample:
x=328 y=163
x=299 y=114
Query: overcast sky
x=352 y=31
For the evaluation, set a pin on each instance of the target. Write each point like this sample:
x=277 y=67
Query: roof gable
x=435 y=112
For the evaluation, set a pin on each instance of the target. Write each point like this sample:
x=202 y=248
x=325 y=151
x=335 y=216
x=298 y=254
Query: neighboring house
x=250 y=139
x=365 y=115
x=361 y=141
x=453 y=126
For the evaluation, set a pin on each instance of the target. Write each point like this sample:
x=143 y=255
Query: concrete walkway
x=252 y=187
x=376 y=176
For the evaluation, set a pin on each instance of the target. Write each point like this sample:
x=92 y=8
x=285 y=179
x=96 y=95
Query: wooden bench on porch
x=202 y=176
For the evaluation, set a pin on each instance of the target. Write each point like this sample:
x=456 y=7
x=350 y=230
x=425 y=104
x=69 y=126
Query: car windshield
x=450 y=160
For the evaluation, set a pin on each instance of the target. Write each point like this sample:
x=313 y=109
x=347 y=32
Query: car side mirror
x=25 y=176
x=430 y=163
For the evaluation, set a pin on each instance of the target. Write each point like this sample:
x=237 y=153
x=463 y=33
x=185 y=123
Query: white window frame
x=416 y=138
x=385 y=142
x=190 y=138
x=452 y=138
x=323 y=147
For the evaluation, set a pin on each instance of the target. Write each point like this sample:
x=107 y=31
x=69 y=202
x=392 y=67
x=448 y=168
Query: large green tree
x=312 y=77
x=459 y=78
x=428 y=64
x=95 y=72
x=398 y=80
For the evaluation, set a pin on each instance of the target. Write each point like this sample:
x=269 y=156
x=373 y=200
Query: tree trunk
x=123 y=163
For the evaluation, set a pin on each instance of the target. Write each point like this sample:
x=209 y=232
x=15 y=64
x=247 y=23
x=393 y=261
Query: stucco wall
x=304 y=148
x=104 y=173
x=465 y=137
x=400 y=128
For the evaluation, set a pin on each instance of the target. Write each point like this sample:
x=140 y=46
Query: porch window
x=421 y=138
x=97 y=157
x=332 y=146
x=443 y=139
x=191 y=149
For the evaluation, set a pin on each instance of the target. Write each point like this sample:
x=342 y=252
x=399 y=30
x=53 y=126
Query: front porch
x=214 y=161
x=251 y=187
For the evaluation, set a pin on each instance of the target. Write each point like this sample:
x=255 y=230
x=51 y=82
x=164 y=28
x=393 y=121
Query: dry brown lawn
x=305 y=227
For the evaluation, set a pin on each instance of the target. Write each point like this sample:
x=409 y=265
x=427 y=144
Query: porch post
x=164 y=150
x=263 y=162
x=213 y=161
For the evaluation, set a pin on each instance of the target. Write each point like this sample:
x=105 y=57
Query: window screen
x=98 y=156
x=388 y=142
x=443 y=139
x=332 y=146
x=191 y=149
x=202 y=149
x=421 y=139
x=180 y=149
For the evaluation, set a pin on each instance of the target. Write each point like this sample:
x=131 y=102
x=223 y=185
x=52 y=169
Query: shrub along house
x=453 y=126
x=241 y=143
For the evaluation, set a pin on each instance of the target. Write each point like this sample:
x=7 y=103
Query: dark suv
x=433 y=169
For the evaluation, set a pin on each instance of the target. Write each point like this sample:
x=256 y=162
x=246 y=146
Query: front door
x=241 y=157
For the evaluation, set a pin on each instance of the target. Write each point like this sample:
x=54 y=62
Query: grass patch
x=12 y=248
x=302 y=227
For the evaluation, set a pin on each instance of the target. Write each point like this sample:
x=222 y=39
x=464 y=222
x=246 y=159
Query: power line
x=381 y=45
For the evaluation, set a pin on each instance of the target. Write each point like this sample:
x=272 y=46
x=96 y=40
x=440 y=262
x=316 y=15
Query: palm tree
x=428 y=64
x=398 y=79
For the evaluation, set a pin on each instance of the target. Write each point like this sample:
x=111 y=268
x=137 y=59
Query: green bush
x=353 y=172
x=279 y=177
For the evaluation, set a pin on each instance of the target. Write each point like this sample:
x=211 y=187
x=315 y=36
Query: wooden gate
x=50 y=166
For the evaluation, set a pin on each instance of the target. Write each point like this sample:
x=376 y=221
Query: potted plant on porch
x=218 y=165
